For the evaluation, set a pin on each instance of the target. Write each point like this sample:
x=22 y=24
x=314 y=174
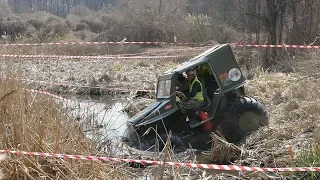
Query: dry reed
x=33 y=122
x=293 y=104
x=222 y=152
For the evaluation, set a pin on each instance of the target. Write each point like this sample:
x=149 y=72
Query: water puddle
x=108 y=115
x=102 y=119
x=107 y=124
x=104 y=116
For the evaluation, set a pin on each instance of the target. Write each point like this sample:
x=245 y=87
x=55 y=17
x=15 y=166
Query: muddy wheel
x=176 y=143
x=244 y=116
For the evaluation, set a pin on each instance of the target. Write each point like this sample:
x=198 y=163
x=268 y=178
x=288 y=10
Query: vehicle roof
x=195 y=61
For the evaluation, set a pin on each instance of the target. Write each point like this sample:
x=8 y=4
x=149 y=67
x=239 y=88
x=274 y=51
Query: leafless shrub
x=105 y=36
x=30 y=31
x=158 y=22
x=61 y=29
x=96 y=25
x=197 y=28
x=70 y=25
x=46 y=27
x=226 y=34
x=81 y=11
x=36 y=23
x=82 y=27
x=108 y=20
x=134 y=21
x=57 y=25
x=13 y=28
x=53 y=19
x=86 y=35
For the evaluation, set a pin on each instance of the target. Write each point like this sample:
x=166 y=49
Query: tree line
x=274 y=21
x=224 y=21
x=290 y=21
x=267 y=21
x=56 y=7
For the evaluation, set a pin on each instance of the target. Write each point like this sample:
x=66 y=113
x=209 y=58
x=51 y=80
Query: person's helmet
x=192 y=71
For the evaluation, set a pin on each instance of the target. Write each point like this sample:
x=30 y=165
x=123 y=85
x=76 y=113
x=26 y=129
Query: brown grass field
x=34 y=122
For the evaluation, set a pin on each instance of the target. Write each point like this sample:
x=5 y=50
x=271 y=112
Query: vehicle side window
x=161 y=85
x=164 y=87
x=168 y=87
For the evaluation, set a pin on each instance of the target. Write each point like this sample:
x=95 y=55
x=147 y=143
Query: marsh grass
x=310 y=158
x=34 y=122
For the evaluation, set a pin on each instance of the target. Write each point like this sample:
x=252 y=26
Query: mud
x=104 y=74
x=115 y=76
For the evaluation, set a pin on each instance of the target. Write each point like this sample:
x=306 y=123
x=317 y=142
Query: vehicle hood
x=154 y=112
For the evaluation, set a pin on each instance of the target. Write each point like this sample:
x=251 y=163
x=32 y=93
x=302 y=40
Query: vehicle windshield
x=164 y=87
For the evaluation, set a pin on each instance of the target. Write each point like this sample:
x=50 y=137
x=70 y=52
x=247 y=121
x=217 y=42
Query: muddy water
x=109 y=123
x=105 y=122
x=104 y=116
x=102 y=119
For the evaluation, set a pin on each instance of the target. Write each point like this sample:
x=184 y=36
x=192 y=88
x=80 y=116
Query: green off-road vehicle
x=226 y=107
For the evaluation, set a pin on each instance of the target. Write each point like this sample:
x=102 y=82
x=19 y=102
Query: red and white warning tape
x=149 y=162
x=83 y=105
x=99 y=43
x=160 y=51
x=67 y=101
x=137 y=56
x=84 y=57
x=110 y=88
x=114 y=89
x=85 y=116
x=278 y=46
x=61 y=84
x=162 y=43
x=57 y=97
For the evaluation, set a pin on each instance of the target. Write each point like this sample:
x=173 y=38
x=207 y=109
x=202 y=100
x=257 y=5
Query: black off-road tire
x=243 y=116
